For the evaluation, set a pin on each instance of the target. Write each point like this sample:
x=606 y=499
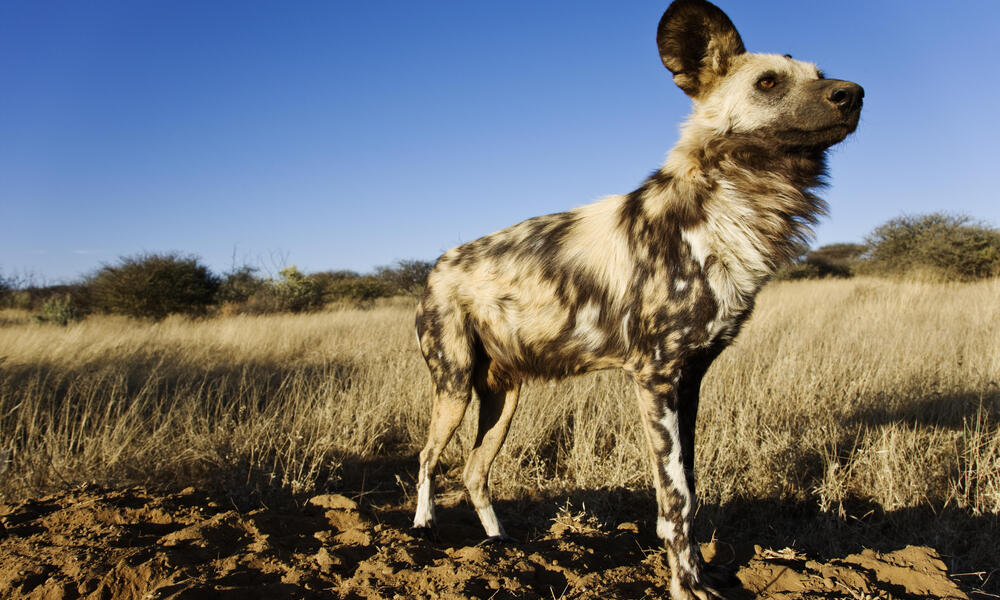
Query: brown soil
x=134 y=543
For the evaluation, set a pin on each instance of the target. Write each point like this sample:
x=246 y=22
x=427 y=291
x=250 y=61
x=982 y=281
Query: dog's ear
x=697 y=41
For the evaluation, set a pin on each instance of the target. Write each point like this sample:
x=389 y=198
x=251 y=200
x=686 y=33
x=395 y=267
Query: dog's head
x=737 y=92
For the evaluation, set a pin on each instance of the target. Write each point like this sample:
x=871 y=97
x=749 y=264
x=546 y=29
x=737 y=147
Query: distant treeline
x=154 y=285
x=933 y=246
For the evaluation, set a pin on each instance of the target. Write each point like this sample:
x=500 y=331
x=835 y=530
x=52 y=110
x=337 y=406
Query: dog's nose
x=846 y=96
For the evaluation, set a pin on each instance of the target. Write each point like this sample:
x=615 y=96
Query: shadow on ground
x=354 y=542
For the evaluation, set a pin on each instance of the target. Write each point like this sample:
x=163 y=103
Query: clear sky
x=351 y=134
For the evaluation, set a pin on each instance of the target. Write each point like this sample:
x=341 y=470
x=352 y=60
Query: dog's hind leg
x=448 y=353
x=449 y=408
x=497 y=402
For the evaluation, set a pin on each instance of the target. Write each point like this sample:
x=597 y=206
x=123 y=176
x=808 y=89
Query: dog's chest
x=683 y=317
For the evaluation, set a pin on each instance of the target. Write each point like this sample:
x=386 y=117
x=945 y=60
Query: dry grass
x=836 y=392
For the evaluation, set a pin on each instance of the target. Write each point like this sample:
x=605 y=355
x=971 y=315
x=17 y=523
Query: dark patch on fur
x=664 y=326
x=446 y=375
x=687 y=32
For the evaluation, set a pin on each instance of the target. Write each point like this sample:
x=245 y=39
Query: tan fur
x=656 y=282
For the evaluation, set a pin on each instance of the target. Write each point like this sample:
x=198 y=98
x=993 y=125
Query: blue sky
x=351 y=134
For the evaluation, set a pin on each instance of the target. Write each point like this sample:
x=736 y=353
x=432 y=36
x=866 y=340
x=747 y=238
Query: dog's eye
x=767 y=82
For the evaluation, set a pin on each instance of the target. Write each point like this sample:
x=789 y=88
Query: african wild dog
x=656 y=282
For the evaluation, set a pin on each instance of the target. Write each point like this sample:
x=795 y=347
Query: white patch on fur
x=424 y=516
x=680 y=284
x=490 y=522
x=597 y=244
x=695 y=239
x=686 y=564
x=664 y=529
x=625 y=328
x=656 y=354
x=741 y=256
x=712 y=328
x=674 y=465
x=675 y=587
x=587 y=329
x=419 y=345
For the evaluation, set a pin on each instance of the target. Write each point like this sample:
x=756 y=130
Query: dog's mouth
x=817 y=139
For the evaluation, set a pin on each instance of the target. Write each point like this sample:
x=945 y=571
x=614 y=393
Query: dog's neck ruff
x=744 y=206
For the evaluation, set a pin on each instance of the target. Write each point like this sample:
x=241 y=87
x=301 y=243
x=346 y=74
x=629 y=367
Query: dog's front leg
x=657 y=389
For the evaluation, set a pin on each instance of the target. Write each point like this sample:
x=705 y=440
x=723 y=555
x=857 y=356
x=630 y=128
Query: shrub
x=79 y=294
x=358 y=290
x=832 y=260
x=6 y=289
x=18 y=299
x=954 y=246
x=296 y=292
x=59 y=309
x=154 y=286
x=239 y=285
x=810 y=270
x=14 y=292
x=405 y=277
x=840 y=257
x=326 y=280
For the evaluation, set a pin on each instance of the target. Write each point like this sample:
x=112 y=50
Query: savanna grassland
x=849 y=414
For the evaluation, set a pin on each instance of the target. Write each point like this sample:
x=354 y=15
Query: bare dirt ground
x=138 y=543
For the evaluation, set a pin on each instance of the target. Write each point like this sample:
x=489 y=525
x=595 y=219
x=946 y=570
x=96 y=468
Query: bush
x=405 y=277
x=953 y=246
x=832 y=260
x=359 y=290
x=839 y=257
x=14 y=292
x=6 y=289
x=154 y=286
x=239 y=285
x=326 y=280
x=18 y=299
x=79 y=294
x=59 y=309
x=296 y=292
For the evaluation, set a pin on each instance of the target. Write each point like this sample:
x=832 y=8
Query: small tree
x=832 y=260
x=59 y=309
x=359 y=290
x=406 y=276
x=952 y=245
x=16 y=291
x=154 y=286
x=326 y=279
x=841 y=255
x=239 y=285
x=297 y=292
x=5 y=289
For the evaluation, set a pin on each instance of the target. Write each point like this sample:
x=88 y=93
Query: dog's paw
x=686 y=588
x=497 y=540
x=695 y=592
x=425 y=532
x=719 y=576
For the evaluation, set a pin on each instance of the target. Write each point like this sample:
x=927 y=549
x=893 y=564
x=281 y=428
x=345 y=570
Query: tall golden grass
x=882 y=391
